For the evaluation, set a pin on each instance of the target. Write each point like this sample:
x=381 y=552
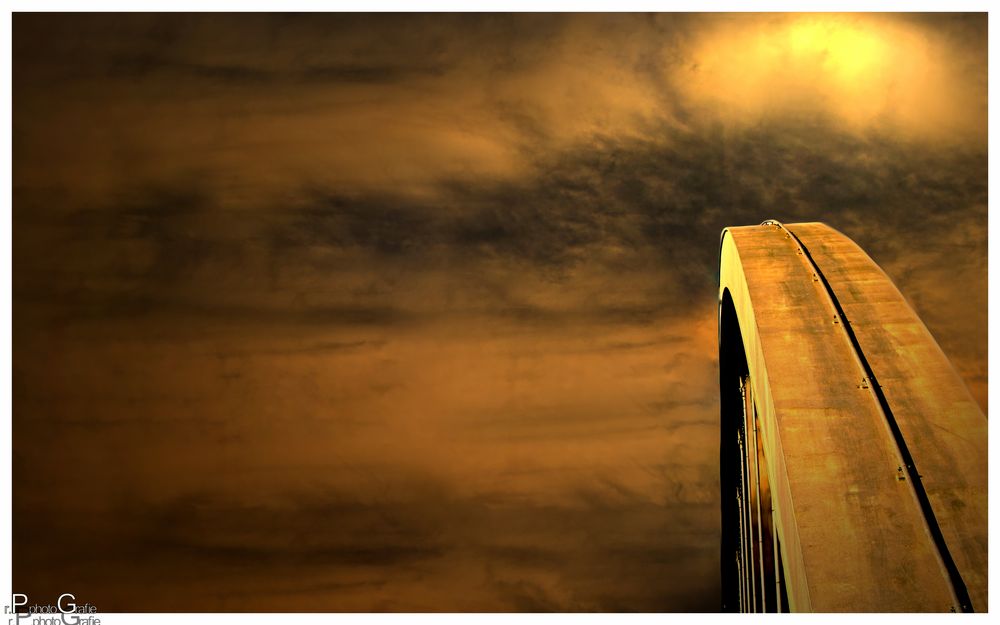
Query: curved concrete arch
x=853 y=458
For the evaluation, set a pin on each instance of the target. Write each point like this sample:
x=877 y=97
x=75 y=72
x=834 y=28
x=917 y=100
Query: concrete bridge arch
x=853 y=459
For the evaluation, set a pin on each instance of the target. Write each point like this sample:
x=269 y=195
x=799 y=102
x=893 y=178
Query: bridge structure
x=853 y=459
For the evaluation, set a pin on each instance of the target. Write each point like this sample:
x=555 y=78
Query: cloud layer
x=418 y=312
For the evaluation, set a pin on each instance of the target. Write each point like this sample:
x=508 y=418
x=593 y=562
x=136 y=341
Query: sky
x=418 y=312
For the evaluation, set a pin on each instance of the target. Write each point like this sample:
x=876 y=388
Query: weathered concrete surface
x=853 y=535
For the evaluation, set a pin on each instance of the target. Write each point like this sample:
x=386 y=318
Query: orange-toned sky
x=417 y=312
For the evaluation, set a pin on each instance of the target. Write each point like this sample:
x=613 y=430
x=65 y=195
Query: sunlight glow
x=863 y=70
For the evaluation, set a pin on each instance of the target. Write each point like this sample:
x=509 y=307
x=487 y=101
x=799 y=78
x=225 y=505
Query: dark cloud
x=147 y=67
x=516 y=547
x=648 y=206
